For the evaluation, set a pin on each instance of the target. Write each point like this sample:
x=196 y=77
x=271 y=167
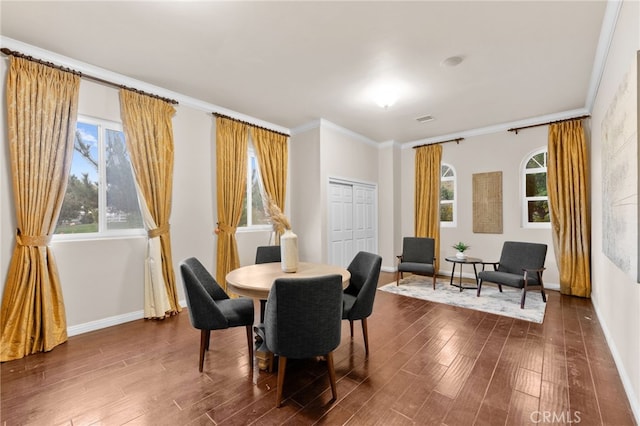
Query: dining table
x=255 y=281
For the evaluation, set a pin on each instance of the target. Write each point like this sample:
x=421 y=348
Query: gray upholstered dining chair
x=360 y=294
x=418 y=257
x=521 y=265
x=302 y=321
x=210 y=308
x=267 y=254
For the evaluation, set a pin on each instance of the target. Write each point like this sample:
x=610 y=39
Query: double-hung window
x=535 y=200
x=447 y=196
x=254 y=216
x=101 y=198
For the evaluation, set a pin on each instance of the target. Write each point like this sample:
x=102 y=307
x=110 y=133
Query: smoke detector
x=452 y=61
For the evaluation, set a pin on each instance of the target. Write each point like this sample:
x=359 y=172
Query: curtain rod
x=516 y=129
x=10 y=52
x=248 y=124
x=456 y=140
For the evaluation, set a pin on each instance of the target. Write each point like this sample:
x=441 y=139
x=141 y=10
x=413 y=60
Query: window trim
x=103 y=232
x=523 y=189
x=454 y=222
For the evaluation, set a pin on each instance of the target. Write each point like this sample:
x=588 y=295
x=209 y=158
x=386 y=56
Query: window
x=536 y=201
x=101 y=196
x=255 y=216
x=447 y=196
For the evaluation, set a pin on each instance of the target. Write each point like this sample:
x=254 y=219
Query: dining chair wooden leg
x=282 y=365
x=263 y=305
x=204 y=346
x=332 y=375
x=351 y=327
x=270 y=362
x=434 y=280
x=365 y=333
x=250 y=343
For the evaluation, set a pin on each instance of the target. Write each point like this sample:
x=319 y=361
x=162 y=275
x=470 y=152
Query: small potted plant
x=460 y=249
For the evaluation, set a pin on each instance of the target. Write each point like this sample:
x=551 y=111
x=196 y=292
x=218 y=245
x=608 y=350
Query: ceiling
x=292 y=63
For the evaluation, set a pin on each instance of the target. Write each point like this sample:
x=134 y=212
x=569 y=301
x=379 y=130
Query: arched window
x=447 y=196
x=534 y=189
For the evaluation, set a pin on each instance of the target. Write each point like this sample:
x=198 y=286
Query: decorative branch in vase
x=288 y=240
x=278 y=220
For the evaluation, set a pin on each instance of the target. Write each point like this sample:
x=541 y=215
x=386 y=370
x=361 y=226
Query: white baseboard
x=624 y=377
x=74 y=330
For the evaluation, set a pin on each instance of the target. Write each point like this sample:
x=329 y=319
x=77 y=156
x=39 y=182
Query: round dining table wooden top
x=256 y=280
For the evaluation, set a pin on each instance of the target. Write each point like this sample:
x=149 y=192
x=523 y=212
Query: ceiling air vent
x=425 y=119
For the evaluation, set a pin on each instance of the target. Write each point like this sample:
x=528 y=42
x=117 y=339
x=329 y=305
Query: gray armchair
x=521 y=265
x=210 y=308
x=303 y=320
x=361 y=292
x=418 y=257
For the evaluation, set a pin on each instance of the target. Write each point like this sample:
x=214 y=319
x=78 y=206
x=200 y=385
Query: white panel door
x=364 y=227
x=352 y=221
x=340 y=223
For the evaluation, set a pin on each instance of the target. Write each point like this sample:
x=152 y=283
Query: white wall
x=7 y=221
x=345 y=155
x=503 y=152
x=102 y=280
x=616 y=295
x=318 y=152
x=389 y=205
x=305 y=183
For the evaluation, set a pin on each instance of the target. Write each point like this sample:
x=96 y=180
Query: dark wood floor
x=430 y=364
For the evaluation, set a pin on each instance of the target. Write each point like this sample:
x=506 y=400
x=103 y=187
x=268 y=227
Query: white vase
x=289 y=251
x=461 y=255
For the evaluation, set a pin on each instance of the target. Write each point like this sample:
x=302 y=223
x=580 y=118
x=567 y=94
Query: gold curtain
x=149 y=136
x=567 y=182
x=231 y=176
x=272 y=152
x=42 y=106
x=427 y=195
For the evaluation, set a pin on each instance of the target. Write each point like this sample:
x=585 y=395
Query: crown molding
x=389 y=144
x=602 y=51
x=94 y=71
x=607 y=31
x=499 y=127
x=324 y=123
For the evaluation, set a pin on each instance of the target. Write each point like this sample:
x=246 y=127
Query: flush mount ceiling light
x=452 y=61
x=385 y=97
x=386 y=94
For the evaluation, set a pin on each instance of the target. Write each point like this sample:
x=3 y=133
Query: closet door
x=352 y=221
x=363 y=219
x=340 y=223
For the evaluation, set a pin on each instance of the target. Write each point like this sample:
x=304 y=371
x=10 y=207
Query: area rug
x=491 y=300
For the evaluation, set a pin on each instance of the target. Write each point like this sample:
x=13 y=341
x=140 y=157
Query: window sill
x=66 y=238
